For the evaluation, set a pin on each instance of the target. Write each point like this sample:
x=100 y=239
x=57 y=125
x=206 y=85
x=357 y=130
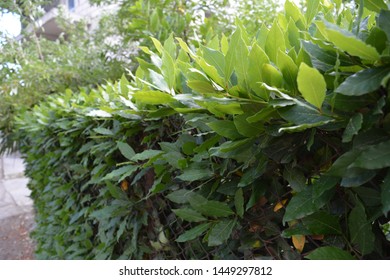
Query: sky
x=10 y=24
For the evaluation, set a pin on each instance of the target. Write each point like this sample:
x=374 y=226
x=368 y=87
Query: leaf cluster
x=272 y=146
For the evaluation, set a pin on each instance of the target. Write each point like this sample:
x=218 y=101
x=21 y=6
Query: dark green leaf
x=301 y=115
x=374 y=157
x=360 y=230
x=295 y=178
x=322 y=185
x=180 y=196
x=385 y=195
x=210 y=207
x=363 y=82
x=189 y=215
x=193 y=233
x=245 y=128
x=329 y=253
x=221 y=232
x=353 y=127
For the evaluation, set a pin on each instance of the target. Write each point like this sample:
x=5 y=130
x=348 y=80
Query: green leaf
x=384 y=22
x=271 y=75
x=239 y=202
x=375 y=5
x=257 y=58
x=125 y=150
x=363 y=82
x=153 y=97
x=360 y=230
x=329 y=253
x=147 y=154
x=168 y=69
x=193 y=233
x=180 y=196
x=194 y=174
x=103 y=131
x=302 y=115
x=215 y=58
x=289 y=70
x=349 y=43
x=245 y=128
x=210 y=207
x=295 y=178
x=322 y=185
x=225 y=128
x=312 y=85
x=123 y=171
x=374 y=157
x=302 y=204
x=189 y=215
x=311 y=10
x=385 y=194
x=201 y=86
x=275 y=41
x=353 y=127
x=322 y=223
x=221 y=232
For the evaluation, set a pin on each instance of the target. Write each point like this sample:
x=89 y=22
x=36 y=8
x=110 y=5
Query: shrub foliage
x=274 y=146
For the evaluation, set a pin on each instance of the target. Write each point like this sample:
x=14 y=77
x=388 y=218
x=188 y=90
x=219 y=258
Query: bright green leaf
x=275 y=42
x=311 y=10
x=375 y=5
x=312 y=85
x=153 y=97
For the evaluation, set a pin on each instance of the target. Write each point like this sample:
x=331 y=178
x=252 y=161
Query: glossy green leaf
x=189 y=215
x=275 y=42
x=329 y=253
x=353 y=127
x=271 y=76
x=221 y=232
x=303 y=115
x=193 y=233
x=153 y=97
x=312 y=85
x=225 y=128
x=374 y=157
x=125 y=150
x=363 y=82
x=349 y=43
x=360 y=230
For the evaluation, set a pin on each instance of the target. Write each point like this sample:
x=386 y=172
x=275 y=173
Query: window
x=71 y=5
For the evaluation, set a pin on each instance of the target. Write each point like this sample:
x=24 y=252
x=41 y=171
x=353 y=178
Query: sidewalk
x=16 y=210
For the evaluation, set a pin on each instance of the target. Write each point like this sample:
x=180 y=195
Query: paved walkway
x=16 y=210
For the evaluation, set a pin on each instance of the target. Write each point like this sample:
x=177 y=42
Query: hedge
x=274 y=146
